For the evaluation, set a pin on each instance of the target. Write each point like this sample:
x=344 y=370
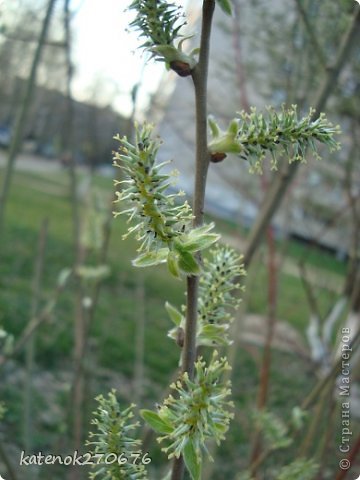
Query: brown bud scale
x=180 y=337
x=181 y=68
x=217 y=157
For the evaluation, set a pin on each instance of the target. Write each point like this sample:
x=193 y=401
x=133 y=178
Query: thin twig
x=239 y=65
x=262 y=397
x=312 y=34
x=81 y=314
x=316 y=417
x=30 y=350
x=311 y=298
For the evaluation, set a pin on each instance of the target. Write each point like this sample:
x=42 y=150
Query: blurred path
x=32 y=163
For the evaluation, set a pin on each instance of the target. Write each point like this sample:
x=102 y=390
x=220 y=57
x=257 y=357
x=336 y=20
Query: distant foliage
x=300 y=469
x=274 y=430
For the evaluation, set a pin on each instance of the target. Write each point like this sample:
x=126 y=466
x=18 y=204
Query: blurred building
x=45 y=132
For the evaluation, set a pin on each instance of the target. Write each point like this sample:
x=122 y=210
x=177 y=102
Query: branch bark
x=199 y=76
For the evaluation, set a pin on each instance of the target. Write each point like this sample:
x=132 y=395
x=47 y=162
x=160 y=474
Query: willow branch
x=199 y=76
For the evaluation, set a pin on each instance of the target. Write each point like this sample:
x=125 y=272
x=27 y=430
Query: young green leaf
x=173 y=264
x=90 y=273
x=225 y=6
x=188 y=264
x=213 y=334
x=197 y=239
x=156 y=422
x=63 y=277
x=298 y=417
x=192 y=461
x=200 y=242
x=151 y=258
x=174 y=314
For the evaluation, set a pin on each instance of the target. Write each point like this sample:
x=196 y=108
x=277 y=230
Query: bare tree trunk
x=17 y=137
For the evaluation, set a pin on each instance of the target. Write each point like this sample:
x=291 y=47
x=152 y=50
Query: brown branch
x=351 y=458
x=199 y=75
x=312 y=301
x=262 y=396
x=312 y=34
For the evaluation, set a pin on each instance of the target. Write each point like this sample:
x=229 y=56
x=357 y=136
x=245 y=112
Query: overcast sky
x=107 y=60
x=105 y=53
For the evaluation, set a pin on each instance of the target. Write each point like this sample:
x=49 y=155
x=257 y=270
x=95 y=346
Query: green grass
x=114 y=328
x=314 y=256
